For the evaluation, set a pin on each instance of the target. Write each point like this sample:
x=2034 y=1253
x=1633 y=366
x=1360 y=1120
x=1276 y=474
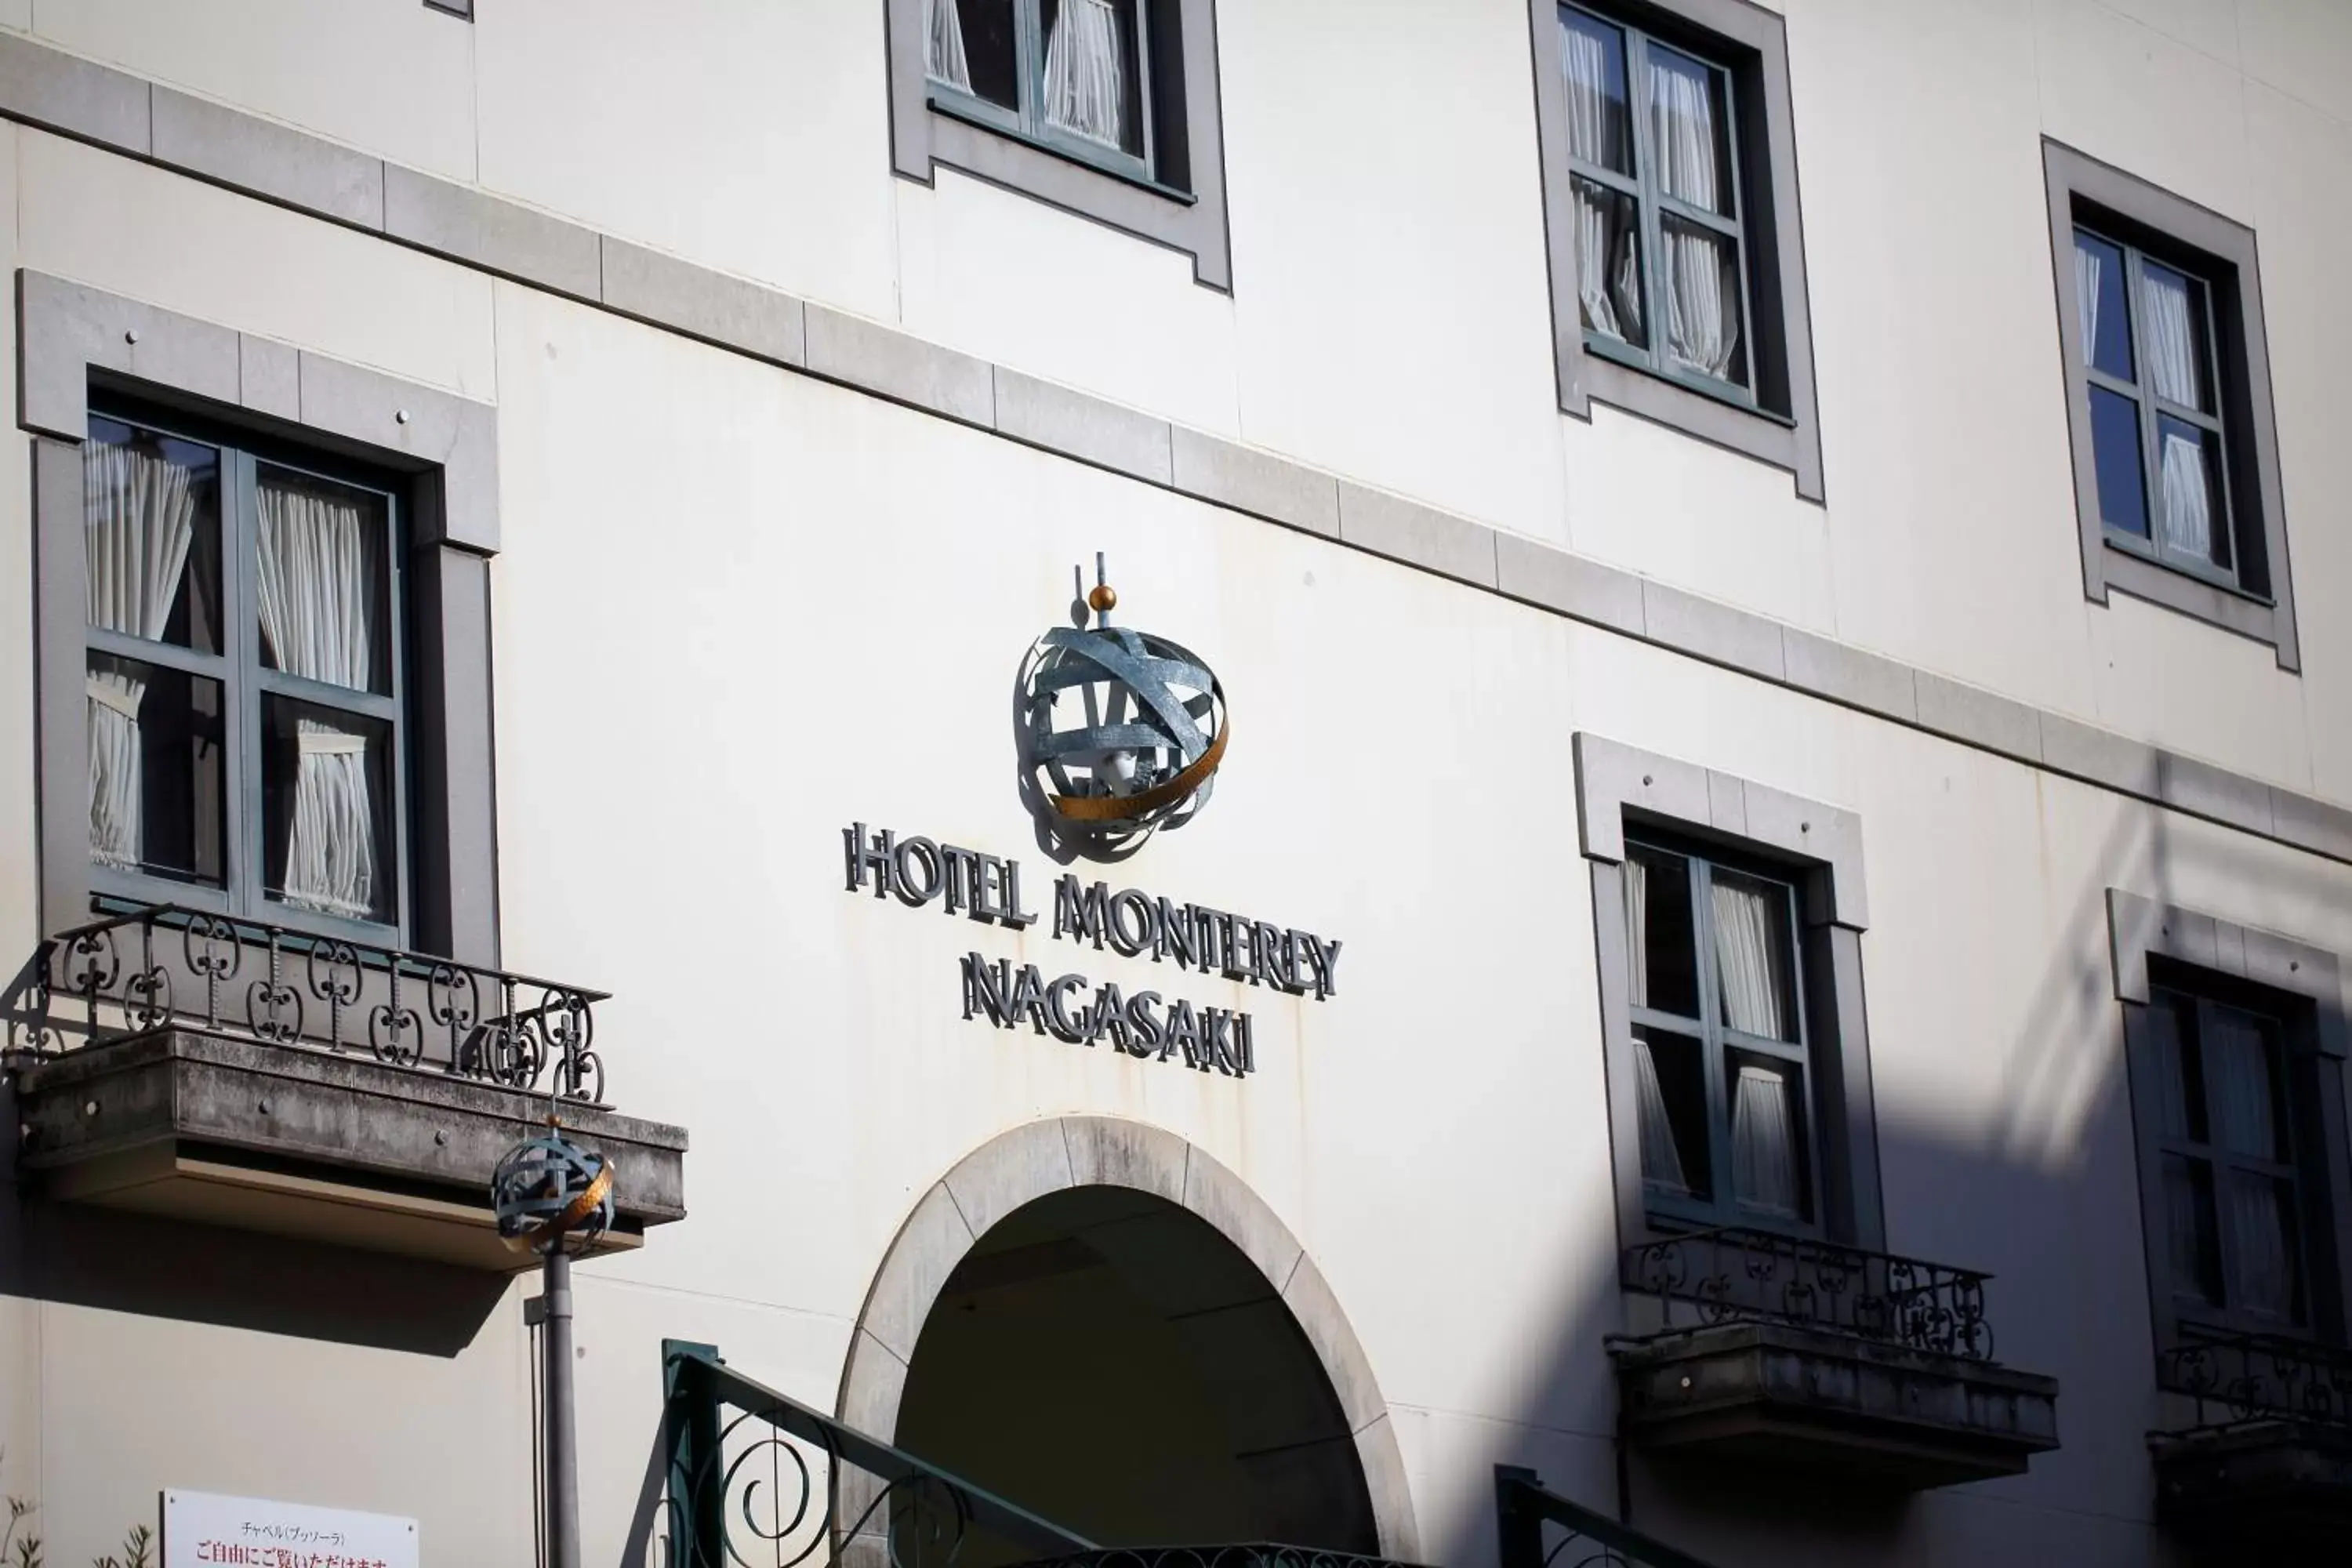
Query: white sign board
x=202 y=1530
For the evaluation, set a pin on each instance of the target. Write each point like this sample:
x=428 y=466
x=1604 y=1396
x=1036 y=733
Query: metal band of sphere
x=549 y=1189
x=1155 y=732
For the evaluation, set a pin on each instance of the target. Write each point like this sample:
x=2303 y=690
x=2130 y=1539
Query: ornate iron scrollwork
x=162 y=966
x=1733 y=1273
x=2242 y=1377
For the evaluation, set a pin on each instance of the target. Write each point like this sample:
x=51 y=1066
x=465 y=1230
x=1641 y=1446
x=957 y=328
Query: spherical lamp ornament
x=1125 y=730
x=549 y=1193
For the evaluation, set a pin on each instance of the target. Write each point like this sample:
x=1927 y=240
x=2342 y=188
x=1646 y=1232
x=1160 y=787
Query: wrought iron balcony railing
x=2240 y=1378
x=162 y=966
x=757 y=1479
x=1736 y=1274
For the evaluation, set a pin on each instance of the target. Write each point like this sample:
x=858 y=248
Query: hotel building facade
x=1762 y=974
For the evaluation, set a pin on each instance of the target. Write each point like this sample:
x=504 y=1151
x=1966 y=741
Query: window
x=246 y=741
x=1670 y=182
x=263 y=607
x=1659 y=275
x=1728 y=918
x=2224 y=1147
x=2235 y=1040
x=2176 y=474
x=1718 y=1038
x=1106 y=107
x=1072 y=74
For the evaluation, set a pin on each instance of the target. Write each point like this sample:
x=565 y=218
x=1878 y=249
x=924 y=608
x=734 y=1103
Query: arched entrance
x=1099 y=1322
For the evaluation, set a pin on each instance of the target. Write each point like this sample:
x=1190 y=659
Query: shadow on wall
x=77 y=1256
x=2040 y=1188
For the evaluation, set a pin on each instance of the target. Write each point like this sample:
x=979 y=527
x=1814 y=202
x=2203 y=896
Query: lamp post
x=553 y=1197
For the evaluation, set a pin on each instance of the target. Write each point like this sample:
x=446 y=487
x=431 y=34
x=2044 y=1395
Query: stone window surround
x=59 y=94
x=2139 y=927
x=1754 y=44
x=1192 y=220
x=2244 y=383
x=1050 y=1156
x=70 y=337
x=1822 y=845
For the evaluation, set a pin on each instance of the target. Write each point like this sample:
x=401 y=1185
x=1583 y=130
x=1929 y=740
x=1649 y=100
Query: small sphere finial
x=1102 y=598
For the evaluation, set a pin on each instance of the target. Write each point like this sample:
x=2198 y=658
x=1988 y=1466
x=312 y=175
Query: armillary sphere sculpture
x=555 y=1198
x=548 y=1193
x=1125 y=730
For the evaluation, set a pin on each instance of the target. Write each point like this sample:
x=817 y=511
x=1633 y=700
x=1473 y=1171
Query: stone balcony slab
x=1780 y=1395
x=314 y=1143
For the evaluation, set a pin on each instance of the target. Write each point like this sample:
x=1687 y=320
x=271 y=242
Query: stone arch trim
x=1050 y=1156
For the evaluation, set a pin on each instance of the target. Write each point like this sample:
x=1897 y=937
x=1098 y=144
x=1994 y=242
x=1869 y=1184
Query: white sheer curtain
x=1605 y=272
x=1702 y=304
x=2087 y=269
x=1085 y=82
x=137 y=523
x=316 y=585
x=1749 y=960
x=2244 y=1115
x=1662 y=1162
x=943 y=55
x=2186 y=518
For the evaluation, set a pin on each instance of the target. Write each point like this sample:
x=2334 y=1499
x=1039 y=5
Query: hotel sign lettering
x=1130 y=922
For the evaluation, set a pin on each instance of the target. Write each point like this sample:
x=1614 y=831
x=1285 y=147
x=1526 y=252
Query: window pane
x=326 y=809
x=1092 y=87
x=2193 y=1240
x=2191 y=518
x=2263 y=1234
x=2175 y=304
x=1752 y=949
x=1670 y=1085
x=155 y=787
x=1600 y=116
x=1768 y=1135
x=319 y=582
x=1690 y=135
x=1609 y=262
x=2181 y=1067
x=1701 y=279
x=2099 y=293
x=2241 y=1065
x=150 y=516
x=2114 y=453
x=1661 y=946
x=969 y=44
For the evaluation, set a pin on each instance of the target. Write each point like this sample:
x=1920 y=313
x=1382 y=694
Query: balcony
x=1770 y=1350
x=228 y=1072
x=2261 y=1466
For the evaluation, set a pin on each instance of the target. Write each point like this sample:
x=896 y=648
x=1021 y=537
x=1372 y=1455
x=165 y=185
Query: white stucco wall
x=737 y=609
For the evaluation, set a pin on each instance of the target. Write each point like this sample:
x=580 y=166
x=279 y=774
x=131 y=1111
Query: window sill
x=2133 y=545
x=965 y=114
x=2135 y=570
x=1664 y=1219
x=1729 y=394
x=113 y=893
x=1712 y=417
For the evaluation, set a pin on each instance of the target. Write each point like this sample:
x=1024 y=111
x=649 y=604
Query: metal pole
x=563 y=1464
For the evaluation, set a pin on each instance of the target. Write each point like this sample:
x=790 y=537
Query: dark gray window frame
x=1818 y=849
x=462 y=8
x=1181 y=205
x=248 y=682
x=1716 y=1038
x=442 y=447
x=2119 y=206
x=2306 y=986
x=1782 y=426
